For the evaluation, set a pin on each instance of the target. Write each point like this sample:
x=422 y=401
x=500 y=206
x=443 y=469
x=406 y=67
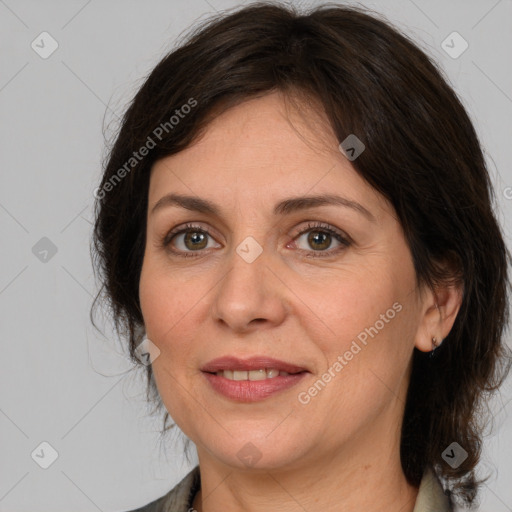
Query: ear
x=438 y=312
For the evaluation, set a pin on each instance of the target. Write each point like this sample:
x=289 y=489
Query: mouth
x=260 y=374
x=254 y=368
x=254 y=379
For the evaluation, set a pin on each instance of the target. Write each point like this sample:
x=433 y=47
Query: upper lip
x=252 y=363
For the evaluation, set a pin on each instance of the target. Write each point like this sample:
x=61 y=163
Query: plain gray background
x=63 y=383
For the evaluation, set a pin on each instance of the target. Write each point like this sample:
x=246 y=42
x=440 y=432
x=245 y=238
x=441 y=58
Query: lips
x=254 y=363
x=240 y=381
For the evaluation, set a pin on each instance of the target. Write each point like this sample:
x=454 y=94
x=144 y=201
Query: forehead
x=265 y=130
x=261 y=150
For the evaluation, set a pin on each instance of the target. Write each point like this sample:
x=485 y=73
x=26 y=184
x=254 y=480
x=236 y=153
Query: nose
x=250 y=295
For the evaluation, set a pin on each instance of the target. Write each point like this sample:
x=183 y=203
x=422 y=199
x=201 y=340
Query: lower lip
x=252 y=390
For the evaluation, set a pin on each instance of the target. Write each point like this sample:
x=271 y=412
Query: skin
x=340 y=451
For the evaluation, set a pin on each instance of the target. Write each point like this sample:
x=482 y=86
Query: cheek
x=165 y=303
x=363 y=363
x=341 y=308
x=154 y=302
x=359 y=326
x=172 y=306
x=166 y=313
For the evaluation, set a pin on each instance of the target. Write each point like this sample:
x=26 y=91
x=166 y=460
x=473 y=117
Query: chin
x=256 y=452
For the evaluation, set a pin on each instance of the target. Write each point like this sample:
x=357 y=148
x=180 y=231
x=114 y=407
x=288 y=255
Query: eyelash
x=320 y=227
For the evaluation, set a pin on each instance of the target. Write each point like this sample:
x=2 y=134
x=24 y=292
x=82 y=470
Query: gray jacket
x=431 y=497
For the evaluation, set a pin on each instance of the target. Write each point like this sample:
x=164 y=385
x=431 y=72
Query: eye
x=320 y=237
x=188 y=239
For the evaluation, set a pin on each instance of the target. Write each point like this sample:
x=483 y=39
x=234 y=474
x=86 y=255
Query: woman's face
x=244 y=282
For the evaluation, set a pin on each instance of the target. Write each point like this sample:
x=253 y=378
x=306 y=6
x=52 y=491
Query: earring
x=435 y=344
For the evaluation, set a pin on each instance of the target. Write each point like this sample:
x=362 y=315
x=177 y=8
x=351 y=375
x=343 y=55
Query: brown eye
x=195 y=240
x=189 y=239
x=320 y=238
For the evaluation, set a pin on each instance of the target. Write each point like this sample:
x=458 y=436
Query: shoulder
x=431 y=495
x=154 y=506
x=179 y=498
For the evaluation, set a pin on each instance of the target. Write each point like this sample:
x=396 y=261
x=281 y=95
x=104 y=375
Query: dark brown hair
x=422 y=154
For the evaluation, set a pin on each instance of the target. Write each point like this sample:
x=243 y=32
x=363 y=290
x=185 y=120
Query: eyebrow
x=284 y=207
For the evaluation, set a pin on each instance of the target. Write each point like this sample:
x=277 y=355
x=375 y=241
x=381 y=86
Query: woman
x=295 y=231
